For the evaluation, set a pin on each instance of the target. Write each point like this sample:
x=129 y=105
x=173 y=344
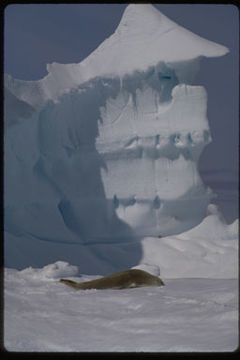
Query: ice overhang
x=145 y=37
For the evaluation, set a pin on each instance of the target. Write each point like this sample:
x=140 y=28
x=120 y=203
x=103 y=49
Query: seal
x=121 y=280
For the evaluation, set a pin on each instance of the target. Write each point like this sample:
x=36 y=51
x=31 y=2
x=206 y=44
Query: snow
x=196 y=310
x=185 y=315
x=208 y=250
x=57 y=270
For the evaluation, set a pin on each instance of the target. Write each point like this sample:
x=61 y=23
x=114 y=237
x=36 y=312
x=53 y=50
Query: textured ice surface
x=150 y=148
x=106 y=151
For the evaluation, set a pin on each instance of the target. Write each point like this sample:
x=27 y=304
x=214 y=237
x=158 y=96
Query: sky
x=38 y=34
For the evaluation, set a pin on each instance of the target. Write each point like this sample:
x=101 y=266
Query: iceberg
x=106 y=151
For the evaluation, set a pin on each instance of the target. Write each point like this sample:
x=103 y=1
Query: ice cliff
x=106 y=151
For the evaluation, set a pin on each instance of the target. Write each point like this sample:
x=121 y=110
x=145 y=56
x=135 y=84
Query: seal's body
x=121 y=280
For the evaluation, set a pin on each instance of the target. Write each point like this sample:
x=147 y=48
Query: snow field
x=42 y=314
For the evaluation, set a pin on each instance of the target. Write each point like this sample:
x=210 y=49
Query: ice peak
x=144 y=18
x=146 y=35
x=144 y=38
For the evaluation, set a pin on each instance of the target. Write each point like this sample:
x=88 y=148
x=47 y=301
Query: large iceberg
x=106 y=151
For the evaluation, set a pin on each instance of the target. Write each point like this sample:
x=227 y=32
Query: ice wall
x=150 y=138
x=109 y=161
x=98 y=153
x=53 y=186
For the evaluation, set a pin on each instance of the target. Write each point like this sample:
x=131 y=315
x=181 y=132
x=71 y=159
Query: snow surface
x=41 y=314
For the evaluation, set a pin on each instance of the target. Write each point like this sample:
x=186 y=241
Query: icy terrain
x=42 y=314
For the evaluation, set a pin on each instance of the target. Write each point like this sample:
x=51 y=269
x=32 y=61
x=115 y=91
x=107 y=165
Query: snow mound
x=208 y=250
x=213 y=227
x=52 y=271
